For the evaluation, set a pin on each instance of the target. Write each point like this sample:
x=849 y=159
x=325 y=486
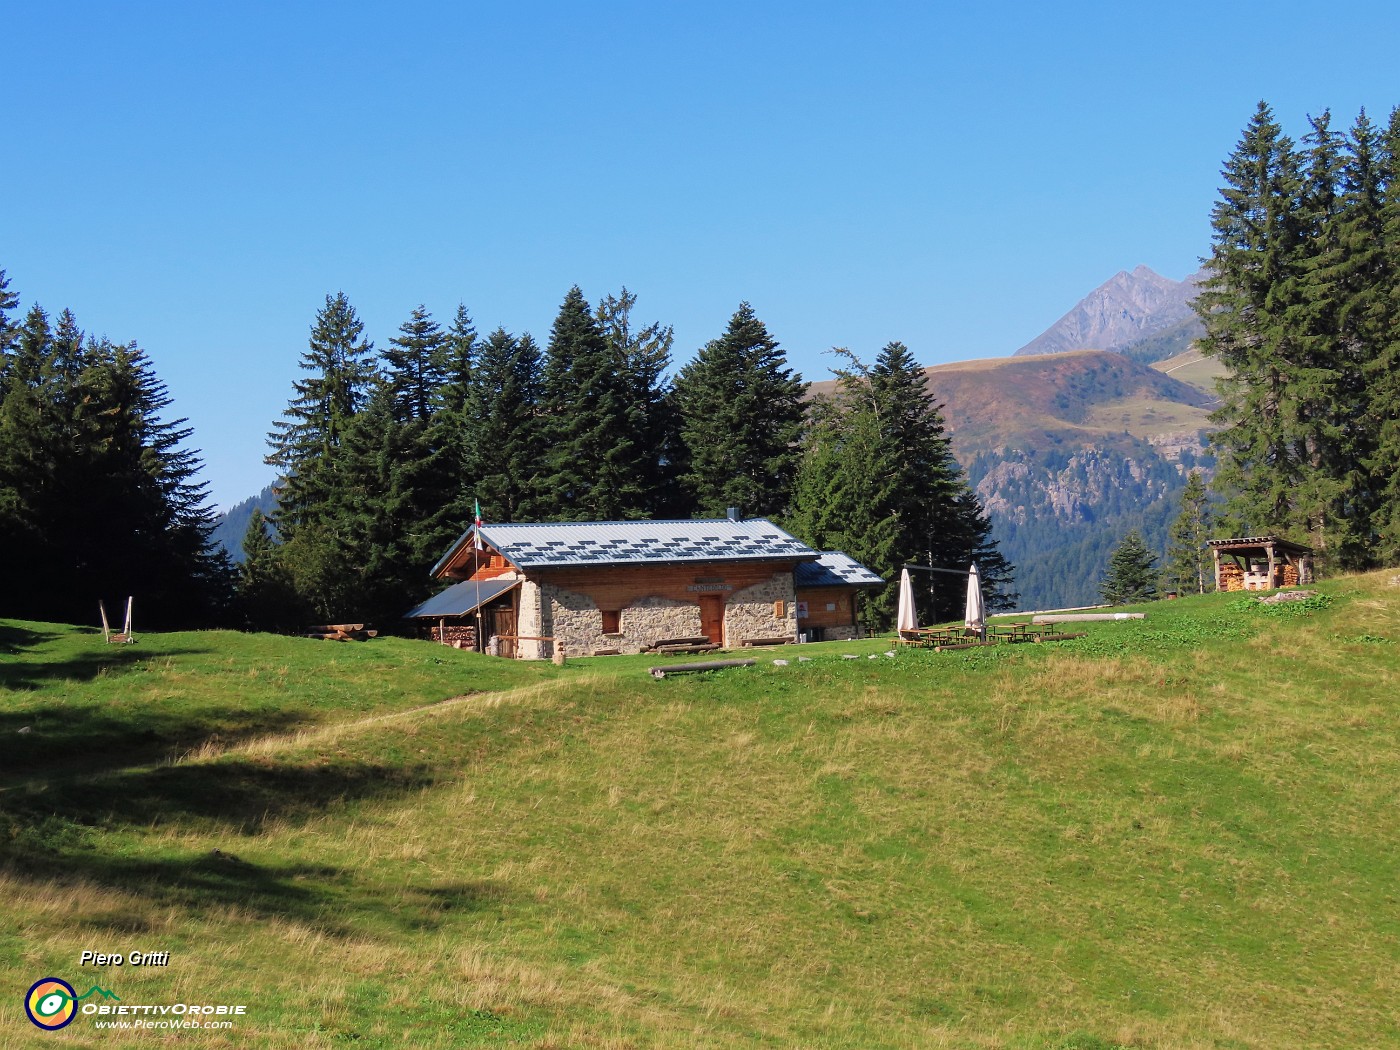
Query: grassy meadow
x=1174 y=832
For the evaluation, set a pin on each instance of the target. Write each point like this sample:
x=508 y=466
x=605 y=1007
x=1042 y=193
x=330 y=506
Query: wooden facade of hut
x=1260 y=563
x=826 y=596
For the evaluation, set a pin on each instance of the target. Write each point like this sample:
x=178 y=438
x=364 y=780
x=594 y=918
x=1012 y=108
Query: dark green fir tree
x=592 y=423
x=741 y=418
x=507 y=465
x=642 y=356
x=416 y=364
x=342 y=374
x=1132 y=573
x=878 y=480
x=1247 y=302
x=1189 y=564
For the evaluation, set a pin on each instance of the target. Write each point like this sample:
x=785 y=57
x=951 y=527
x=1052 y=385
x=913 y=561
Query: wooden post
x=1216 y=552
x=130 y=598
x=1270 y=550
x=106 y=628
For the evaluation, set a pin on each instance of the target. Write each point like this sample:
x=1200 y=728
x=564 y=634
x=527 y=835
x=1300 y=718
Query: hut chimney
x=734 y=514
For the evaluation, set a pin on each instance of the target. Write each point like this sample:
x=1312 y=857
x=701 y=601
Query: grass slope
x=1178 y=832
x=1079 y=396
x=1193 y=367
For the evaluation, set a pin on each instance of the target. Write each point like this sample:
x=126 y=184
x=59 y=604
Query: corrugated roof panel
x=461 y=598
x=834 y=569
x=529 y=544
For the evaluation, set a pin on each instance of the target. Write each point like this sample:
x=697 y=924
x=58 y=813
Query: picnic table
x=929 y=637
x=1017 y=631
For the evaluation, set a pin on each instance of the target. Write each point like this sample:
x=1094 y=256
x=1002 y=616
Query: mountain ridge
x=1126 y=311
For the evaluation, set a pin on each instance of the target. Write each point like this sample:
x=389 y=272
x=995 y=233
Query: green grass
x=1174 y=832
x=1146 y=417
x=1195 y=368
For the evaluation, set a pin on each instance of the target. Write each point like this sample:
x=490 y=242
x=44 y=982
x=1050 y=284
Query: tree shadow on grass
x=14 y=639
x=48 y=835
x=37 y=744
x=28 y=673
x=325 y=897
x=236 y=796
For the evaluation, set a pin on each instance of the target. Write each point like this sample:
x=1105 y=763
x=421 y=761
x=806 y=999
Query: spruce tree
x=458 y=362
x=1382 y=371
x=1247 y=302
x=1187 y=560
x=1132 y=573
x=98 y=491
x=879 y=481
x=642 y=357
x=8 y=301
x=741 y=415
x=454 y=428
x=316 y=419
x=29 y=350
x=267 y=599
x=384 y=518
x=507 y=473
x=592 y=424
x=843 y=496
x=416 y=364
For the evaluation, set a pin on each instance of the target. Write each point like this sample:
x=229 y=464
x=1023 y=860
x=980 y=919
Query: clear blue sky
x=197 y=177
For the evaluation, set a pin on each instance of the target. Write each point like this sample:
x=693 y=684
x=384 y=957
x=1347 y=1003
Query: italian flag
x=476 y=513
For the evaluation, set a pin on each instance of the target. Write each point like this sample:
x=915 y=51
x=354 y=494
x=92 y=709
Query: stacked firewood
x=457 y=636
x=1231 y=577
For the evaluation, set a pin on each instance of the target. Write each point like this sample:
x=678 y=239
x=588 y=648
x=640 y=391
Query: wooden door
x=712 y=617
x=503 y=623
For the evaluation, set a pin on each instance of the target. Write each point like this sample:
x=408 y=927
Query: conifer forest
x=383 y=453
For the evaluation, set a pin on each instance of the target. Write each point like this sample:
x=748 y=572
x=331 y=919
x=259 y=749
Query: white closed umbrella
x=975 y=612
x=907 y=618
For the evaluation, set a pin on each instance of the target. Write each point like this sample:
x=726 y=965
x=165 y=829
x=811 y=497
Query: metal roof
x=533 y=545
x=462 y=598
x=834 y=569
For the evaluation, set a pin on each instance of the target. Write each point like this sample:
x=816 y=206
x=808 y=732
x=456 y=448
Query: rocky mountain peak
x=1126 y=309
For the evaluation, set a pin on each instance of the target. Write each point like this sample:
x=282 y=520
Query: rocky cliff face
x=1125 y=310
x=1067 y=453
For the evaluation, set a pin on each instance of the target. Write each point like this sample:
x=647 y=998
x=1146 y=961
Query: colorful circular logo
x=50 y=1003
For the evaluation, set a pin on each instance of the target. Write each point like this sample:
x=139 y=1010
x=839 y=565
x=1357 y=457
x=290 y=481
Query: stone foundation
x=648 y=620
x=749 y=613
x=576 y=623
x=530 y=622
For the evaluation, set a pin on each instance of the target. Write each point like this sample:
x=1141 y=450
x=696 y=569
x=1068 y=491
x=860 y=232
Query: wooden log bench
x=749 y=642
x=666 y=650
x=678 y=645
x=708 y=665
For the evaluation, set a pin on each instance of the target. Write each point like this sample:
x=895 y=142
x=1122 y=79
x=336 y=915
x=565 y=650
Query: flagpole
x=476 y=574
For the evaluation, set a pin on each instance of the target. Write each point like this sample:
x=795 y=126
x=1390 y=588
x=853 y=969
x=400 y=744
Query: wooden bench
x=1017 y=632
x=707 y=647
x=766 y=641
